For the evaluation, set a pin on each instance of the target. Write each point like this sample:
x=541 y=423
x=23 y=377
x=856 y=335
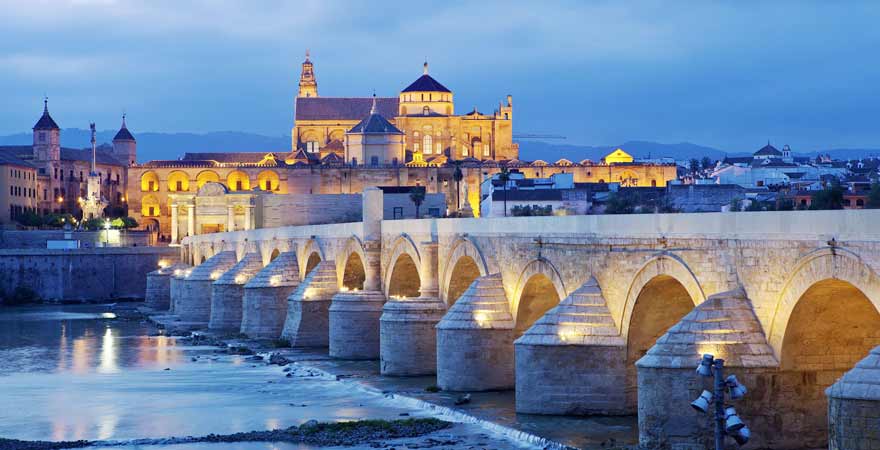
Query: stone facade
x=227 y=293
x=197 y=287
x=158 y=294
x=265 y=297
x=308 y=308
x=407 y=339
x=354 y=324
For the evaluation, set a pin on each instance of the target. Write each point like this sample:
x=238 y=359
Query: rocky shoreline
x=362 y=432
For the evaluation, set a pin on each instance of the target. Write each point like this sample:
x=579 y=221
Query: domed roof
x=426 y=83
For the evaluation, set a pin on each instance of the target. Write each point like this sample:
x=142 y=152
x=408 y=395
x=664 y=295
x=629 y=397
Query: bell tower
x=308 y=85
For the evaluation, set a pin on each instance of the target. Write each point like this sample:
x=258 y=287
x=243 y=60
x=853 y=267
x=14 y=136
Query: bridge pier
x=854 y=407
x=354 y=315
x=407 y=335
x=228 y=293
x=158 y=293
x=175 y=286
x=475 y=340
x=195 y=292
x=725 y=326
x=572 y=360
x=308 y=308
x=264 y=307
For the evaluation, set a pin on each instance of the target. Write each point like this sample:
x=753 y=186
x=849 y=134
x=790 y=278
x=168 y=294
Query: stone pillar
x=174 y=224
x=725 y=326
x=195 y=294
x=308 y=308
x=191 y=220
x=176 y=284
x=854 y=407
x=408 y=341
x=475 y=340
x=230 y=218
x=373 y=213
x=265 y=297
x=227 y=293
x=158 y=294
x=247 y=217
x=354 y=315
x=572 y=359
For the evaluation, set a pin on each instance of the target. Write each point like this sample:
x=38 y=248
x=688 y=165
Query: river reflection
x=78 y=339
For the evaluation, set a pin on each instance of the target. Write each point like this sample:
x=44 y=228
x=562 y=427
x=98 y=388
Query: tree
x=874 y=197
x=29 y=219
x=694 y=166
x=706 y=163
x=504 y=177
x=457 y=176
x=95 y=223
x=619 y=203
x=829 y=198
x=417 y=196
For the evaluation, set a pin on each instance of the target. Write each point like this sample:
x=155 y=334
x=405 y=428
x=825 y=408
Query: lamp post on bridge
x=727 y=422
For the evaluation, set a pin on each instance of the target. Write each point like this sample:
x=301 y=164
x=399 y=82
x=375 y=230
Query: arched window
x=178 y=181
x=426 y=110
x=149 y=181
x=427 y=143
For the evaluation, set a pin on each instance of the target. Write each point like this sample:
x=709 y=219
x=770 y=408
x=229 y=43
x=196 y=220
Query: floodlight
x=737 y=390
x=705 y=367
x=703 y=402
x=742 y=435
x=734 y=423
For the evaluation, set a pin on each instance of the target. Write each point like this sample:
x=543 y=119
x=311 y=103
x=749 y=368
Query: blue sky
x=727 y=74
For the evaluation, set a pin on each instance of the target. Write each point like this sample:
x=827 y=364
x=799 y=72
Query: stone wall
x=88 y=239
x=82 y=274
x=305 y=209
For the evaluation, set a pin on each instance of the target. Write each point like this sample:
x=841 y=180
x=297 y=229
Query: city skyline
x=727 y=77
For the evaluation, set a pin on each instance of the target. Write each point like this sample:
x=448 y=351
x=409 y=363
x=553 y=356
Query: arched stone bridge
x=790 y=299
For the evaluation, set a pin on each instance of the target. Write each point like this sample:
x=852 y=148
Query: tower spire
x=123 y=120
x=374 y=109
x=426 y=66
x=308 y=85
x=45 y=104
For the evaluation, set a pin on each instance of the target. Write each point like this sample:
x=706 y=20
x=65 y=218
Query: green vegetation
x=417 y=196
x=33 y=220
x=829 y=198
x=533 y=210
x=874 y=197
x=21 y=295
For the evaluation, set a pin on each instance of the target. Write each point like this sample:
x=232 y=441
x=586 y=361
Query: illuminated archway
x=461 y=276
x=206 y=176
x=268 y=180
x=464 y=273
x=238 y=181
x=354 y=274
x=150 y=206
x=178 y=181
x=312 y=262
x=537 y=297
x=149 y=182
x=661 y=303
x=404 y=280
x=274 y=255
x=403 y=245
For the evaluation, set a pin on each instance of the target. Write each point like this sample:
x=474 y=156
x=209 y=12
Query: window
x=464 y=150
x=653 y=183
x=42 y=136
x=398 y=212
x=354 y=161
x=268 y=185
x=486 y=150
x=238 y=185
x=62 y=175
x=426 y=111
x=45 y=195
x=151 y=185
x=416 y=147
x=56 y=173
x=179 y=185
x=427 y=143
x=394 y=162
x=374 y=160
x=437 y=148
x=312 y=146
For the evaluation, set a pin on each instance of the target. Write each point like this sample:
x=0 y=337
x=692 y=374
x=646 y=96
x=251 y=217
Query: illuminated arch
x=149 y=182
x=150 y=206
x=238 y=181
x=268 y=180
x=462 y=248
x=818 y=266
x=402 y=245
x=178 y=181
x=540 y=266
x=347 y=261
x=664 y=264
x=206 y=176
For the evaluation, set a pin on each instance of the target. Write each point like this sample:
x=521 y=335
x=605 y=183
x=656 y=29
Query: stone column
x=194 y=305
x=191 y=220
x=174 y=224
x=247 y=217
x=407 y=339
x=227 y=293
x=264 y=308
x=230 y=218
x=308 y=308
x=158 y=294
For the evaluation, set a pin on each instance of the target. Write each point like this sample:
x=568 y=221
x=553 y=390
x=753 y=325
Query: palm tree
x=504 y=177
x=457 y=176
x=417 y=196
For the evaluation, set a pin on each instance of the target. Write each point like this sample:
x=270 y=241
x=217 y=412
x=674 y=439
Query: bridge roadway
x=581 y=314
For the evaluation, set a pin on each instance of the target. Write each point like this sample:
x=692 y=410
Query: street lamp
x=727 y=421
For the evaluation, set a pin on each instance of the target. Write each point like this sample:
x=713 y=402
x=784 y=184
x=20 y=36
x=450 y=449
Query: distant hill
x=153 y=145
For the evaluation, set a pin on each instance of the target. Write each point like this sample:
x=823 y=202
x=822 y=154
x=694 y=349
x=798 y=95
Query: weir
x=585 y=297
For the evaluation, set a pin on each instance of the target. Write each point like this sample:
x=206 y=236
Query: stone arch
x=238 y=181
x=206 y=176
x=178 y=181
x=402 y=245
x=150 y=206
x=664 y=264
x=268 y=180
x=305 y=253
x=817 y=266
x=270 y=248
x=351 y=265
x=539 y=288
x=466 y=253
x=149 y=182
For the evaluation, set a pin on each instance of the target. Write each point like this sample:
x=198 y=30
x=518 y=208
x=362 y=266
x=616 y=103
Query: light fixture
x=703 y=402
x=737 y=391
x=705 y=367
x=734 y=423
x=742 y=435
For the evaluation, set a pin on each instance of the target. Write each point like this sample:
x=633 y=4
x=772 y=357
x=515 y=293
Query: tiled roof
x=483 y=305
x=123 y=135
x=862 y=382
x=228 y=157
x=46 y=122
x=9 y=155
x=768 y=150
x=85 y=154
x=343 y=108
x=426 y=83
x=375 y=124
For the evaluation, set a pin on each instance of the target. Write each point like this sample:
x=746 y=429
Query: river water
x=78 y=372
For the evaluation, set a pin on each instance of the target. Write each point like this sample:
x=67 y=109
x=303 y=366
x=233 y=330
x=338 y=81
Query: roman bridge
x=580 y=315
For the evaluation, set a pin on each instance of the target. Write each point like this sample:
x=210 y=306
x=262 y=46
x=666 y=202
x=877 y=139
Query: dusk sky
x=726 y=74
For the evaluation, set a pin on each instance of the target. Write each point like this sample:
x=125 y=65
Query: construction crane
x=537 y=136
